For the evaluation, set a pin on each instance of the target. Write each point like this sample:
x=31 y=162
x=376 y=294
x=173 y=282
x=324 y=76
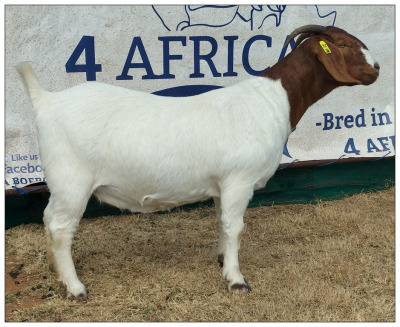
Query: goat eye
x=342 y=45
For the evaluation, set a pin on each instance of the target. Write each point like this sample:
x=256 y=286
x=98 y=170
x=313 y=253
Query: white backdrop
x=184 y=50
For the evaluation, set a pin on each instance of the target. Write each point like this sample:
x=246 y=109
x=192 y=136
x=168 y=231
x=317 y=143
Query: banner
x=183 y=50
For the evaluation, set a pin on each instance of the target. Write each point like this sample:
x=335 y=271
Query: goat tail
x=35 y=91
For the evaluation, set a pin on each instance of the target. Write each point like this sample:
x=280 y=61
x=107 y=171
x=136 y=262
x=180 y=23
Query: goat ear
x=332 y=58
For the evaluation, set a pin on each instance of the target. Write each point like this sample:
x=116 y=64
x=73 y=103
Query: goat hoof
x=79 y=294
x=221 y=260
x=240 y=288
x=81 y=297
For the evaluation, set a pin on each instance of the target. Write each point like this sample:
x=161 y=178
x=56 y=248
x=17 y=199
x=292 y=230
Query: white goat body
x=145 y=152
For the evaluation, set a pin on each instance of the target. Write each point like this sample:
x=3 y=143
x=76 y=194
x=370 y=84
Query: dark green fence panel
x=288 y=186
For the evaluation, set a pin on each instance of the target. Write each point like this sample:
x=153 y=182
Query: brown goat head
x=344 y=56
x=322 y=59
x=349 y=60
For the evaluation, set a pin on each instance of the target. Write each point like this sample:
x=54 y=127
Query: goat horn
x=305 y=31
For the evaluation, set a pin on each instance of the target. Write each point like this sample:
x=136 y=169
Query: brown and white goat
x=143 y=152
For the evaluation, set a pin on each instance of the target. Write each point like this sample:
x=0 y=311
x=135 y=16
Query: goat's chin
x=368 y=79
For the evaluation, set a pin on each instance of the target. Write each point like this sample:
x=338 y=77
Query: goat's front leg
x=233 y=203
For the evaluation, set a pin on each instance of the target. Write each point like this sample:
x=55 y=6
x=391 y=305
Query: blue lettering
x=381 y=115
x=246 y=51
x=360 y=119
x=24 y=169
x=384 y=145
x=371 y=147
x=392 y=138
x=338 y=119
x=350 y=147
x=86 y=46
x=167 y=57
x=204 y=57
x=328 y=121
x=348 y=121
x=231 y=40
x=373 y=117
x=386 y=115
x=90 y=67
x=137 y=44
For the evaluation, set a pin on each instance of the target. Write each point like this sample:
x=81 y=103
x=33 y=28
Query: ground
x=330 y=261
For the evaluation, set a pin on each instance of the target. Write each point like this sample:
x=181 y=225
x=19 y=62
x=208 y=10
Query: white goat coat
x=144 y=152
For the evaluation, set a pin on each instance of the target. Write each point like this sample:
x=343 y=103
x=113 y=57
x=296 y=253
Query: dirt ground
x=332 y=261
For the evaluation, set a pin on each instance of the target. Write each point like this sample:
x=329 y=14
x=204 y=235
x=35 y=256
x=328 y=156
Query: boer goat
x=145 y=153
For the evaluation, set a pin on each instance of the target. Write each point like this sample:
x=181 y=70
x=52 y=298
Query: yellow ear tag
x=325 y=47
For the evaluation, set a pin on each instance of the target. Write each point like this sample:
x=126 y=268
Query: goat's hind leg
x=61 y=220
x=221 y=242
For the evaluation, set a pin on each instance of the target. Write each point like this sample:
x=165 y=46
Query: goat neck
x=304 y=78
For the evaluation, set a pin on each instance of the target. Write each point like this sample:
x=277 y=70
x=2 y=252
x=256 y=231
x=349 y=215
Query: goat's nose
x=376 y=66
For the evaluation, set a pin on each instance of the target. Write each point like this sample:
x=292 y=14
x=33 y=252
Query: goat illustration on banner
x=215 y=16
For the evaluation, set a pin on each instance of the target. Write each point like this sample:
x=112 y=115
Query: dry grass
x=333 y=261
